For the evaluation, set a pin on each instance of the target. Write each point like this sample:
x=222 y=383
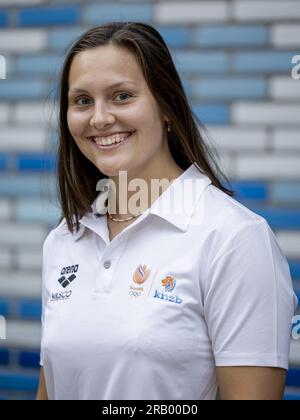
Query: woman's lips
x=112 y=146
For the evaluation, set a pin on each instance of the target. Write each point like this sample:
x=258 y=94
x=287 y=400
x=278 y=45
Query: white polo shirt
x=150 y=314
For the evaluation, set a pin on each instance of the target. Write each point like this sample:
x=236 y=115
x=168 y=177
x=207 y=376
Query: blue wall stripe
x=293 y=377
x=295 y=269
x=36 y=162
x=250 y=190
x=279 y=218
x=23 y=89
x=37 y=210
x=27 y=185
x=175 y=37
x=49 y=16
x=198 y=62
x=222 y=36
x=30 y=309
x=18 y=382
x=187 y=86
x=3 y=19
x=230 y=88
x=286 y=192
x=29 y=359
x=212 y=114
x=4 y=308
x=18 y=396
x=297 y=291
x=3 y=162
x=289 y=396
x=100 y=13
x=61 y=38
x=4 y=357
x=268 y=61
x=42 y=64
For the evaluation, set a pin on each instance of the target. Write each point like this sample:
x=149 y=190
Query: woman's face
x=98 y=107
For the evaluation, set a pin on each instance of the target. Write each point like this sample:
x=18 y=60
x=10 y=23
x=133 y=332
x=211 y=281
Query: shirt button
x=107 y=264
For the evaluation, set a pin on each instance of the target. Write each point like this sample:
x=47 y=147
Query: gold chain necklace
x=123 y=220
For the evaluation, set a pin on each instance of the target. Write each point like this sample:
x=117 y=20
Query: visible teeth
x=107 y=141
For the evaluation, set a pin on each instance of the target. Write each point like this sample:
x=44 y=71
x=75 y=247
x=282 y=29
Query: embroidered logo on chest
x=169 y=284
x=67 y=276
x=140 y=276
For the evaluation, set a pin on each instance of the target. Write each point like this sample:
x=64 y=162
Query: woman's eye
x=85 y=100
x=123 y=94
x=82 y=101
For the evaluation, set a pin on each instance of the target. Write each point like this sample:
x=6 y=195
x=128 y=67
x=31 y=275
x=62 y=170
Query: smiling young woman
x=115 y=120
x=181 y=304
x=139 y=92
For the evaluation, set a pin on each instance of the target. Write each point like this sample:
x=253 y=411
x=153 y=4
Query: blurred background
x=235 y=59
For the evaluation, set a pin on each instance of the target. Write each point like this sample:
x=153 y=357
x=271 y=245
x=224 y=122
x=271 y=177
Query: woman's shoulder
x=61 y=228
x=224 y=214
x=58 y=233
x=240 y=234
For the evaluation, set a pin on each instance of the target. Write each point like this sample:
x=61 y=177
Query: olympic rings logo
x=134 y=293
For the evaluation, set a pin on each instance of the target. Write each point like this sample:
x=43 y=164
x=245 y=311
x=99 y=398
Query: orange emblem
x=168 y=283
x=141 y=274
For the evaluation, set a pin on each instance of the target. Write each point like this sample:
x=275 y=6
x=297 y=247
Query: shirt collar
x=176 y=205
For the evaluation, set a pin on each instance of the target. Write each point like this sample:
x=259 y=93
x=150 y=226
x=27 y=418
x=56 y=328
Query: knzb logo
x=169 y=284
x=65 y=281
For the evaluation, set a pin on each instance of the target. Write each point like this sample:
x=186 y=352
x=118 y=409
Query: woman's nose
x=101 y=117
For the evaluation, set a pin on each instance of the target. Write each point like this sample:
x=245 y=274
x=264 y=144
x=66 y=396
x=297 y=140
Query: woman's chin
x=110 y=169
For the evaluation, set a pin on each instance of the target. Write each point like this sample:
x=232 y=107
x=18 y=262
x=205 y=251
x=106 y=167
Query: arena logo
x=296 y=69
x=296 y=328
x=70 y=270
x=2 y=67
x=66 y=281
x=2 y=328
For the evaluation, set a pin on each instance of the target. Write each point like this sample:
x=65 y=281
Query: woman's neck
x=136 y=193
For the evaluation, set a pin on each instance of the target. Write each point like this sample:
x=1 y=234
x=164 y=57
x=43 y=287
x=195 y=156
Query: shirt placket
x=108 y=265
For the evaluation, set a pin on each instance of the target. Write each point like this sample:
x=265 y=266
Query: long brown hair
x=77 y=176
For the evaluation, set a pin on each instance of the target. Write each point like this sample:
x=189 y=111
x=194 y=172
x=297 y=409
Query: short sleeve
x=44 y=266
x=249 y=300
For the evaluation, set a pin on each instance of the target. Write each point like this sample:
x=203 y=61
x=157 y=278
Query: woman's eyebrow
x=114 y=85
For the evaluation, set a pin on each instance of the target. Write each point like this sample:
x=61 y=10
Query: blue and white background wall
x=238 y=60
